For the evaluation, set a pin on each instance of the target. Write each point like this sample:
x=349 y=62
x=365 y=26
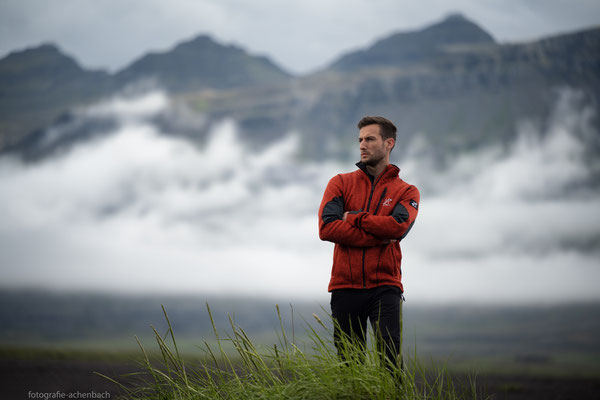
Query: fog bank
x=142 y=211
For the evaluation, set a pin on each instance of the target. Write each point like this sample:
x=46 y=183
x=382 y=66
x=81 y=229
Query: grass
x=236 y=368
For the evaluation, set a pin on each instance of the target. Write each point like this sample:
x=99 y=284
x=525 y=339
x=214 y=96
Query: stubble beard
x=374 y=159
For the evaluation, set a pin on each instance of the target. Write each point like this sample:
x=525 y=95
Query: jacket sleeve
x=333 y=228
x=394 y=226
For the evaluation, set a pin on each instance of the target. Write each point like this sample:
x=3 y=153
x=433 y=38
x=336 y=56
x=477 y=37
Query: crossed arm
x=363 y=229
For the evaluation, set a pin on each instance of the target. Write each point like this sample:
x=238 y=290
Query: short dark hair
x=386 y=128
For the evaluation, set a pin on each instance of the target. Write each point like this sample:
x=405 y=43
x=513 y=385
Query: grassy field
x=48 y=371
x=55 y=342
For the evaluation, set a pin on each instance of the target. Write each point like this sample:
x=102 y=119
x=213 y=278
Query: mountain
x=41 y=86
x=37 y=85
x=202 y=63
x=406 y=48
x=465 y=97
x=449 y=85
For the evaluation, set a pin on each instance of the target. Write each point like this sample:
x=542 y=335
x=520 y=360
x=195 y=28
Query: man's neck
x=376 y=170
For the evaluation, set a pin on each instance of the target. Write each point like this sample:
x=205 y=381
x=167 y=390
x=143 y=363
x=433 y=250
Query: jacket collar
x=390 y=171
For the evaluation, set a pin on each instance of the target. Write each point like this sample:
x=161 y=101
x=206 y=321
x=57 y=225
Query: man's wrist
x=352 y=216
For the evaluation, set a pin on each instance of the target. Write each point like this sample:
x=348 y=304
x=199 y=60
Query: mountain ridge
x=461 y=92
x=202 y=63
x=39 y=84
x=409 y=47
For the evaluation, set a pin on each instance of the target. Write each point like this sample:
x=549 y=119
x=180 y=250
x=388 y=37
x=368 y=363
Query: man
x=366 y=213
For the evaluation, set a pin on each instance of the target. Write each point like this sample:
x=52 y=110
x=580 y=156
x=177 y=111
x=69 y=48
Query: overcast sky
x=299 y=35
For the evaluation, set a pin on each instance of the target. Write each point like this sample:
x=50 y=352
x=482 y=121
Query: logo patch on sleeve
x=414 y=204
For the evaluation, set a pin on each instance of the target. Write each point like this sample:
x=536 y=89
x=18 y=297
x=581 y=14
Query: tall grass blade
x=285 y=371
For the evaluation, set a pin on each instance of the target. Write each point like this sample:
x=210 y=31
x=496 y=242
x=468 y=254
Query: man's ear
x=390 y=143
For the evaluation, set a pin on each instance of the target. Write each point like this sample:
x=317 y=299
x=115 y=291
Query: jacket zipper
x=373 y=184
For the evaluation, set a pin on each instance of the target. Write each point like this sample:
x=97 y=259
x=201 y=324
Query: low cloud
x=139 y=210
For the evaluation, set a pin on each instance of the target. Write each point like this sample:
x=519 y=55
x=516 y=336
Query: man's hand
x=385 y=241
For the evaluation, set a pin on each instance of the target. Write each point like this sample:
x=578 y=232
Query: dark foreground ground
x=34 y=378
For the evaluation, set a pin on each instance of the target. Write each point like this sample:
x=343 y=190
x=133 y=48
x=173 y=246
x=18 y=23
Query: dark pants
x=382 y=306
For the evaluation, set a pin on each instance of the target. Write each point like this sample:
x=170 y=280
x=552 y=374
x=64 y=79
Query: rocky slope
x=37 y=85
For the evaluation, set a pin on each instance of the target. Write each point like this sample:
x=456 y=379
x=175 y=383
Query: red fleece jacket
x=382 y=212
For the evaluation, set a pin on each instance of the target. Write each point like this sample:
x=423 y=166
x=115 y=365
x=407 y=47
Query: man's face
x=372 y=147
